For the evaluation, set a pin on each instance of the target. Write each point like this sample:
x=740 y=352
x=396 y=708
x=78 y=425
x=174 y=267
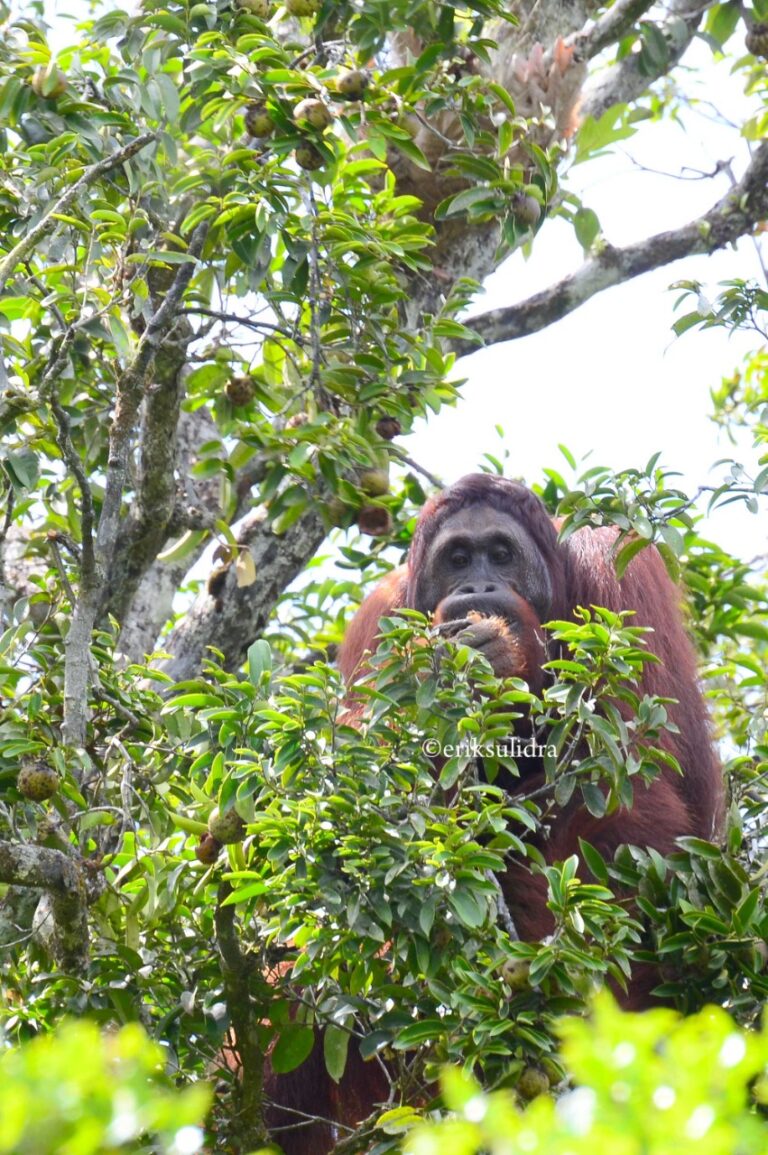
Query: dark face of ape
x=485 y=561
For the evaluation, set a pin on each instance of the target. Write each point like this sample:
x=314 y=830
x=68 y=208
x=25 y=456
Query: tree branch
x=27 y=244
x=735 y=214
x=90 y=602
x=630 y=77
x=62 y=878
x=232 y=621
x=130 y=390
x=610 y=28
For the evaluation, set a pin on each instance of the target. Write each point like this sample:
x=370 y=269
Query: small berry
x=260 y=8
x=302 y=7
x=757 y=40
x=526 y=209
x=375 y=482
x=532 y=1083
x=258 y=122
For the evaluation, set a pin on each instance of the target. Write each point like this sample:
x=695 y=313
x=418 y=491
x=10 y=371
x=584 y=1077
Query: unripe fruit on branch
x=308 y=157
x=515 y=973
x=532 y=1083
x=352 y=83
x=757 y=40
x=37 y=781
x=258 y=122
x=526 y=209
x=207 y=850
x=239 y=390
x=338 y=512
x=313 y=112
x=375 y=521
x=226 y=826
x=259 y=8
x=302 y=7
x=375 y=482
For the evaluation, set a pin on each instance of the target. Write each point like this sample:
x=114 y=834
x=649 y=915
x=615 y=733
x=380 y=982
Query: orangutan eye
x=459 y=559
x=501 y=554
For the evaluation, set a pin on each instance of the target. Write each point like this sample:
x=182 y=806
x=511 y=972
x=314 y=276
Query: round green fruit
x=532 y=1083
x=37 y=781
x=352 y=83
x=314 y=113
x=757 y=40
x=375 y=482
x=515 y=974
x=226 y=827
x=302 y=7
x=308 y=157
x=339 y=513
x=260 y=8
x=526 y=210
x=258 y=122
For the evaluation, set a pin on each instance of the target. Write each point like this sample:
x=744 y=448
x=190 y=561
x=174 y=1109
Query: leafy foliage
x=644 y=1083
x=233 y=240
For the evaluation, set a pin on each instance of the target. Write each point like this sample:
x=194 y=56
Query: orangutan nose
x=480 y=587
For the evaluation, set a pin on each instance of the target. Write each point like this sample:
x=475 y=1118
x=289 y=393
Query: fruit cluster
x=312 y=116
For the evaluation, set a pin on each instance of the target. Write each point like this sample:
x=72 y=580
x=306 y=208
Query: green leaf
x=596 y=135
x=335 y=1049
x=421 y=1032
x=469 y=910
x=292 y=1048
x=594 y=861
x=633 y=547
x=587 y=227
x=259 y=661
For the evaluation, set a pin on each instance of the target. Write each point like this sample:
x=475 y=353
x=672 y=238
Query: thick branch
x=231 y=621
x=630 y=77
x=27 y=244
x=62 y=878
x=610 y=28
x=130 y=390
x=737 y=213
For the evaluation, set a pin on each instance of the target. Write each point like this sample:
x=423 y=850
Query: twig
x=237 y=319
x=26 y=245
x=401 y=455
